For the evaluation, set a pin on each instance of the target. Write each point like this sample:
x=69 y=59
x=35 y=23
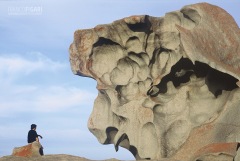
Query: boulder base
x=30 y=150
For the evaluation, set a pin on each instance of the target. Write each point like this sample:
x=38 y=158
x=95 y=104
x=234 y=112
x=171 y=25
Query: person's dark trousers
x=41 y=151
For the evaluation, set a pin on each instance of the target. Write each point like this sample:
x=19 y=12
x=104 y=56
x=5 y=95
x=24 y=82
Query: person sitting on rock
x=33 y=136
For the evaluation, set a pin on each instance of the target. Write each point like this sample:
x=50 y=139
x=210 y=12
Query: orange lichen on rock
x=30 y=150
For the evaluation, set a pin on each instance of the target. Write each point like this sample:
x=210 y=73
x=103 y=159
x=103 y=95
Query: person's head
x=33 y=127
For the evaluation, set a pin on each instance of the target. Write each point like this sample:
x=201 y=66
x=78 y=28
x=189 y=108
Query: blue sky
x=36 y=82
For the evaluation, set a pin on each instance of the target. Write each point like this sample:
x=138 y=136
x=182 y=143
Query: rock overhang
x=160 y=79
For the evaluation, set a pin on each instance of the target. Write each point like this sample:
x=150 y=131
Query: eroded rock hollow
x=168 y=86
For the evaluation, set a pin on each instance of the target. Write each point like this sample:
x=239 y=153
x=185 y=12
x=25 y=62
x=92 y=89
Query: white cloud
x=59 y=98
x=15 y=65
x=43 y=100
x=36 y=97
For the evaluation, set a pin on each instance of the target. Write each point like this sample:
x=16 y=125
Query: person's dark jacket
x=32 y=135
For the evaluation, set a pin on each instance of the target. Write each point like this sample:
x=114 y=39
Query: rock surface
x=168 y=86
x=60 y=157
x=57 y=157
x=30 y=150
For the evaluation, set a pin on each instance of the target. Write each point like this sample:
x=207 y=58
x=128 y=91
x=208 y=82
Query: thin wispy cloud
x=17 y=65
x=23 y=97
x=42 y=100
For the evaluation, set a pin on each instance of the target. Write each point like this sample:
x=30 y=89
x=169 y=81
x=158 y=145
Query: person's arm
x=36 y=136
x=37 y=139
x=40 y=136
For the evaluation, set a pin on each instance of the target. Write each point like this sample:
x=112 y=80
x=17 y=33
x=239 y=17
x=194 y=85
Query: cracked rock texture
x=168 y=86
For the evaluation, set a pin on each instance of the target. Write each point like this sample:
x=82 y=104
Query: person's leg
x=41 y=151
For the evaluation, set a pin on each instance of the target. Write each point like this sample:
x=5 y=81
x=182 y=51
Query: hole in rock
x=184 y=68
x=121 y=139
x=118 y=89
x=141 y=27
x=133 y=38
x=133 y=150
x=103 y=41
x=111 y=132
x=156 y=52
x=136 y=54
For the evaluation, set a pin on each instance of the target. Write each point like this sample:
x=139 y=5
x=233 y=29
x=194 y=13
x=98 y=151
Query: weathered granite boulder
x=30 y=150
x=168 y=86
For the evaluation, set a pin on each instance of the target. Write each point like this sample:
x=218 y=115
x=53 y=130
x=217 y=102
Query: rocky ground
x=58 y=157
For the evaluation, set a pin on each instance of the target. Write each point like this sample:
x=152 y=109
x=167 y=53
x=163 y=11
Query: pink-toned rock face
x=167 y=86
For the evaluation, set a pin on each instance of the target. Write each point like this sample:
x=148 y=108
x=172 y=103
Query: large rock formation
x=169 y=86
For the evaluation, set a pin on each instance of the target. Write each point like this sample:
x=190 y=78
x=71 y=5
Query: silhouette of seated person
x=33 y=136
